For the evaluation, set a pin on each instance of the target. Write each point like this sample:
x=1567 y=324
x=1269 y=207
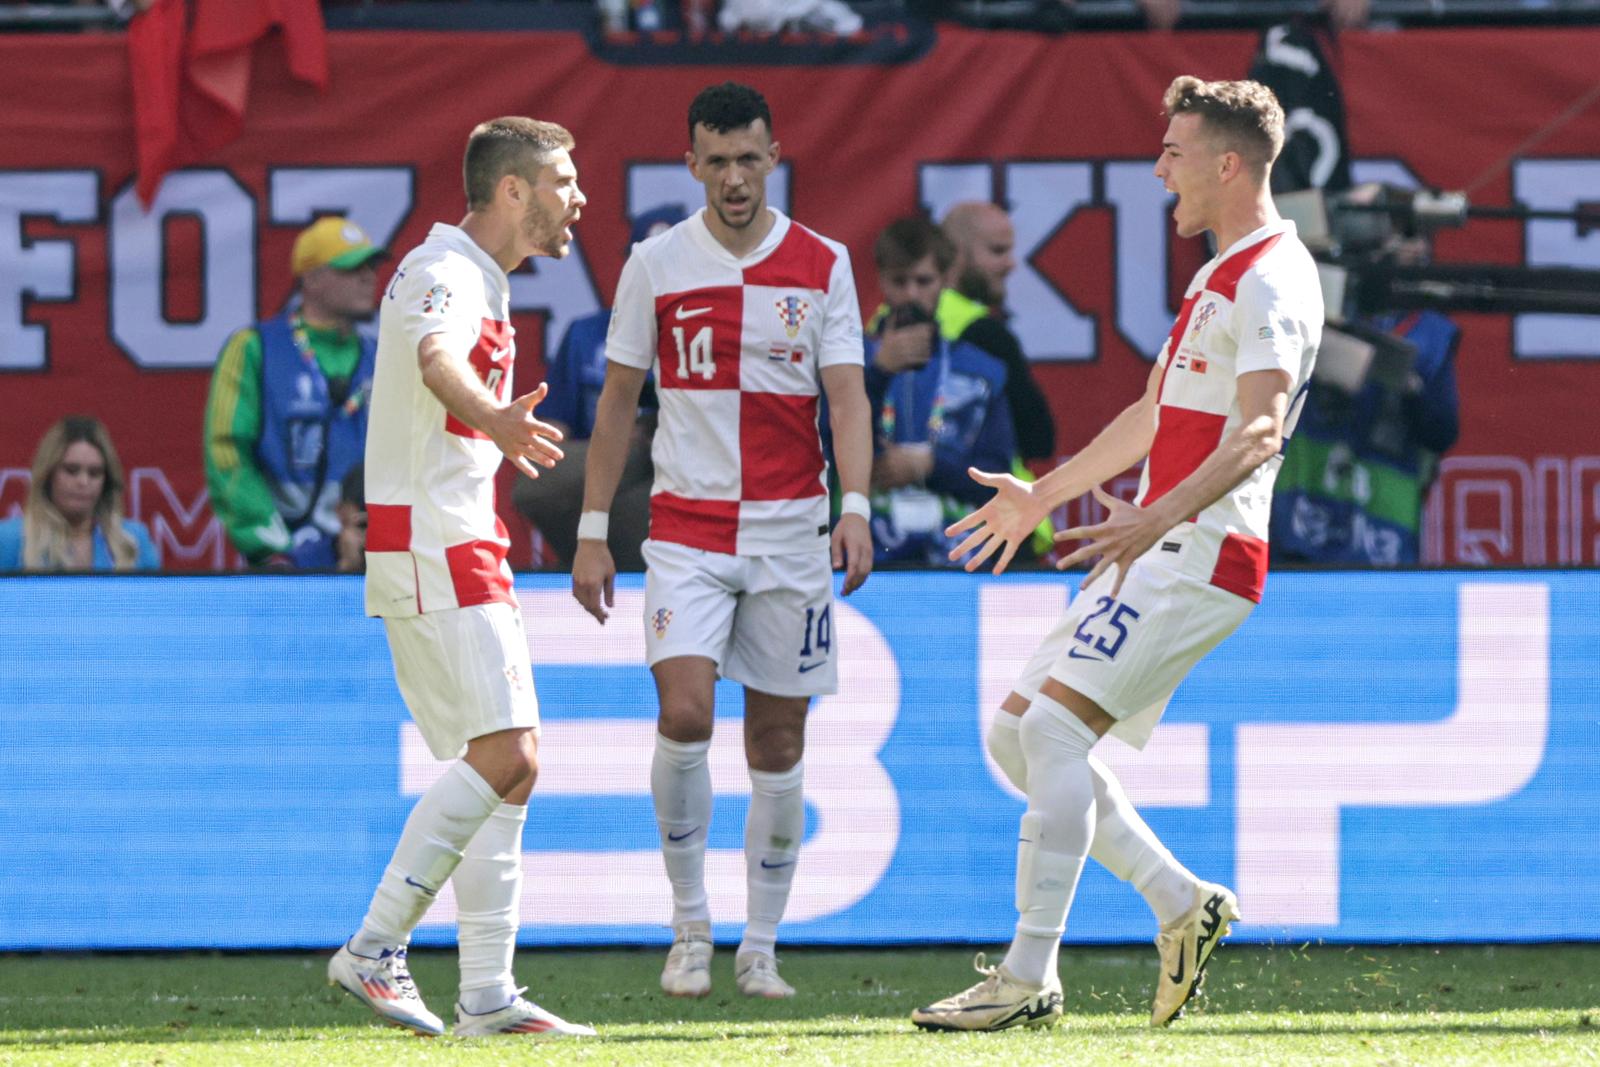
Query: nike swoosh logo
x=1073 y=653
x=679 y=837
x=1177 y=979
x=811 y=666
x=775 y=866
x=413 y=882
x=689 y=313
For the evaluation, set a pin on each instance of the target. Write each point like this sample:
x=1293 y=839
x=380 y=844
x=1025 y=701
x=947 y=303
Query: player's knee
x=684 y=720
x=775 y=749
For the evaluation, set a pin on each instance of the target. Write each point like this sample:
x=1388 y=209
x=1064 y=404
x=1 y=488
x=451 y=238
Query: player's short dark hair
x=908 y=241
x=510 y=145
x=1244 y=115
x=729 y=106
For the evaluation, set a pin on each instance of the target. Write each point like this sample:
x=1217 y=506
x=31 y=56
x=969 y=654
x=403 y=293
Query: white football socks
x=680 y=783
x=1126 y=846
x=1123 y=842
x=436 y=833
x=488 y=884
x=1055 y=836
x=772 y=832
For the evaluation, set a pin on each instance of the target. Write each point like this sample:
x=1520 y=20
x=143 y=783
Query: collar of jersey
x=702 y=233
x=1260 y=233
x=463 y=243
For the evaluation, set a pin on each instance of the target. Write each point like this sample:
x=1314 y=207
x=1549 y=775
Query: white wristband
x=594 y=525
x=856 y=504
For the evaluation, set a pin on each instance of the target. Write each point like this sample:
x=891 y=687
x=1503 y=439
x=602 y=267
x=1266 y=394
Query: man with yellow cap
x=286 y=418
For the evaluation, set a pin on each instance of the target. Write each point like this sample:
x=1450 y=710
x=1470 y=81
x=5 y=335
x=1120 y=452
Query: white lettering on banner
x=44 y=270
x=1041 y=197
x=186 y=534
x=1583 y=543
x=377 y=199
x=1172 y=771
x=1558 y=185
x=227 y=275
x=1294 y=781
x=1139 y=208
x=857 y=808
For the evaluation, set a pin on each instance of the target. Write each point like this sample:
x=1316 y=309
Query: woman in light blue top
x=73 y=519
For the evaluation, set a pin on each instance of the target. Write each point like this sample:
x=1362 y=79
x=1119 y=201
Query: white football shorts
x=766 y=621
x=464 y=673
x=1129 y=654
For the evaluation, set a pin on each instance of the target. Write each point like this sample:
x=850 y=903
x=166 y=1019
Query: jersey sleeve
x=631 y=337
x=443 y=298
x=1272 y=323
x=841 y=324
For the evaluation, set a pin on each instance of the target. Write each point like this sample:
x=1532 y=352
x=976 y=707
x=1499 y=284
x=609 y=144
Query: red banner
x=109 y=310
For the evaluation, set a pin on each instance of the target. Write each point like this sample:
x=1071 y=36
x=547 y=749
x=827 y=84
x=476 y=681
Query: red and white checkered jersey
x=1257 y=306
x=433 y=538
x=737 y=344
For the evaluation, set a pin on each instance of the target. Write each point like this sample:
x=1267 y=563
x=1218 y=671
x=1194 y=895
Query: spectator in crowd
x=985 y=244
x=771 y=16
x=576 y=375
x=73 y=519
x=939 y=406
x=287 y=415
x=346 y=551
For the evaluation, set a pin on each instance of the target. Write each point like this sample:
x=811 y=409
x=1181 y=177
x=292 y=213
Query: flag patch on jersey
x=436 y=300
x=792 y=312
x=660 y=621
x=786 y=354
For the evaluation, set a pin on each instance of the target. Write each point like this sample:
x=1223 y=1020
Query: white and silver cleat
x=1186 y=945
x=756 y=974
x=688 y=969
x=519 y=1017
x=384 y=985
x=999 y=1002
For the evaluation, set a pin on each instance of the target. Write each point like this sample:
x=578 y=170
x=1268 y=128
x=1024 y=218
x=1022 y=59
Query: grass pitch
x=1534 y=1005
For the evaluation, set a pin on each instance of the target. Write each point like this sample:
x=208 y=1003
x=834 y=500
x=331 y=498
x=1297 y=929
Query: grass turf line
x=1325 y=1004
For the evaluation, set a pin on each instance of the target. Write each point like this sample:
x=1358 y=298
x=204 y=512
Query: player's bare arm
x=1129 y=531
x=1006 y=521
x=850 y=420
x=594 y=572
x=512 y=427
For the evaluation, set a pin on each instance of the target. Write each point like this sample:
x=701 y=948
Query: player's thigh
x=464 y=673
x=1129 y=652
x=784 y=640
x=689 y=600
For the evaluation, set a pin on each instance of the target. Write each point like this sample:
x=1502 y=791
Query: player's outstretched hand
x=1125 y=535
x=594 y=578
x=852 y=550
x=527 y=442
x=1004 y=523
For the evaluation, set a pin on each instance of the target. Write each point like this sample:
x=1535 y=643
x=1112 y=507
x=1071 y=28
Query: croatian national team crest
x=436 y=300
x=792 y=311
x=1207 y=312
x=660 y=621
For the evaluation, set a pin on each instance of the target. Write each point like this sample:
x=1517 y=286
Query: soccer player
x=744 y=315
x=1178 y=571
x=442 y=419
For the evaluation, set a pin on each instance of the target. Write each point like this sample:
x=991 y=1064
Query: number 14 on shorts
x=819 y=638
x=1108 y=620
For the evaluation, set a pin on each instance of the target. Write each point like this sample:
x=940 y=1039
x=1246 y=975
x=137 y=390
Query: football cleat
x=384 y=985
x=688 y=969
x=519 y=1017
x=1186 y=946
x=999 y=1002
x=756 y=974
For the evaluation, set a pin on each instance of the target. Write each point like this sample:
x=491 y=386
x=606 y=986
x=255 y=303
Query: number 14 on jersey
x=695 y=356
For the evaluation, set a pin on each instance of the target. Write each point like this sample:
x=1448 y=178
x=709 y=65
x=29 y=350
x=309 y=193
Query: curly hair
x=729 y=106
x=1244 y=116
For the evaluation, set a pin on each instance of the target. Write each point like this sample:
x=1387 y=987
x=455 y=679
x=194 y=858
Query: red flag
x=191 y=73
